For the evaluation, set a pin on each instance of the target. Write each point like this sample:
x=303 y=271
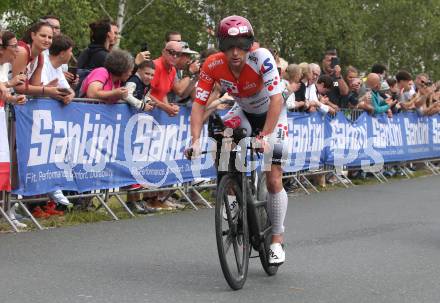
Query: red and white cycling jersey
x=258 y=80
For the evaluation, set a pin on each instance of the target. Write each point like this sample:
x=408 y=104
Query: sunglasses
x=244 y=43
x=173 y=53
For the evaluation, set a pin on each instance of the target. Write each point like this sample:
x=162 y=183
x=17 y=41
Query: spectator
x=8 y=52
x=421 y=80
x=187 y=71
x=55 y=22
x=113 y=36
x=164 y=77
x=104 y=83
x=173 y=36
x=406 y=91
x=331 y=67
x=138 y=87
x=161 y=85
x=379 y=104
x=381 y=70
x=311 y=93
x=60 y=53
x=30 y=60
x=350 y=73
x=95 y=54
x=324 y=86
x=293 y=76
x=352 y=100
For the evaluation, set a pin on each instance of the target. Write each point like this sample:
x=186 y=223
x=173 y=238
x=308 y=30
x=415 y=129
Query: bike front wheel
x=232 y=232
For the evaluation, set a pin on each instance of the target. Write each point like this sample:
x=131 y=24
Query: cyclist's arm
x=273 y=114
x=196 y=121
x=203 y=91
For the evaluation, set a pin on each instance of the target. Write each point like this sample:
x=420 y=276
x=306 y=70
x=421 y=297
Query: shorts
x=254 y=123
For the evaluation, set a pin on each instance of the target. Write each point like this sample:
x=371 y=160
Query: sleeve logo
x=205 y=77
x=267 y=66
x=202 y=94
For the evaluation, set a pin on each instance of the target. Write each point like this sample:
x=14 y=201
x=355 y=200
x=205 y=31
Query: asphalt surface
x=378 y=243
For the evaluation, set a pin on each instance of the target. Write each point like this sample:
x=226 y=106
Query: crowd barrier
x=89 y=146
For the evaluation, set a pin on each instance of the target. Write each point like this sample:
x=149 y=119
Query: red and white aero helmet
x=235 y=31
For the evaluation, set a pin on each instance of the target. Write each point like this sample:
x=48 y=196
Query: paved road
x=378 y=243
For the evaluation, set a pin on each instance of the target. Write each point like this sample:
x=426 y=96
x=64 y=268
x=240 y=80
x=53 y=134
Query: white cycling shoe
x=277 y=255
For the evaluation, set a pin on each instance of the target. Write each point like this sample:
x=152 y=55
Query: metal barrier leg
x=5 y=215
x=340 y=179
x=187 y=198
x=403 y=170
x=28 y=213
x=300 y=184
x=432 y=168
x=309 y=183
x=201 y=197
x=383 y=176
x=124 y=205
x=378 y=177
x=107 y=208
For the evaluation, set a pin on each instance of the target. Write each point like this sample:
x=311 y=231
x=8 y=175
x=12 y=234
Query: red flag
x=5 y=181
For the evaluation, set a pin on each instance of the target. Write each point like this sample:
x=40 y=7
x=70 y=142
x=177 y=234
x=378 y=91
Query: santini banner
x=84 y=147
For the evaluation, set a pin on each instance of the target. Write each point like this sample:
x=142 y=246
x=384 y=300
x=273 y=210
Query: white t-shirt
x=311 y=93
x=50 y=73
x=64 y=67
x=4 y=72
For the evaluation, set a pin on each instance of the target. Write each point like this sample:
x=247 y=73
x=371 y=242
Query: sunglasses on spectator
x=173 y=53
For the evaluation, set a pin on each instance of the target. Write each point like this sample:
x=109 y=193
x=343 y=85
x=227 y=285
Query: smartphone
x=334 y=62
x=73 y=70
x=144 y=47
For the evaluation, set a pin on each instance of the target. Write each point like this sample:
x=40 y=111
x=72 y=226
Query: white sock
x=277 y=209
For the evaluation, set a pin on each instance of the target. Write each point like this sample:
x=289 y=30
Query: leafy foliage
x=400 y=34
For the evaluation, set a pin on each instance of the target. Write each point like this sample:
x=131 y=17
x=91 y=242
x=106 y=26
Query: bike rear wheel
x=232 y=231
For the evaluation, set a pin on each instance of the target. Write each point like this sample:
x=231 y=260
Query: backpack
x=84 y=72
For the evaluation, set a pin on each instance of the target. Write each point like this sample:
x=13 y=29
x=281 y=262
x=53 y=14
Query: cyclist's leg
x=236 y=111
x=277 y=196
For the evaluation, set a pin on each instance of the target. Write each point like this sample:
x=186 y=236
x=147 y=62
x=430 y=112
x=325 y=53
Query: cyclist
x=249 y=74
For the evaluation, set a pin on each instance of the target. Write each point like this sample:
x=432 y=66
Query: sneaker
x=139 y=208
x=59 y=198
x=18 y=224
x=132 y=187
x=168 y=205
x=277 y=255
x=156 y=204
x=233 y=207
x=39 y=213
x=50 y=209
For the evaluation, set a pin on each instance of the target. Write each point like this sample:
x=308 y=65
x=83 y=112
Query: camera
x=144 y=47
x=334 y=62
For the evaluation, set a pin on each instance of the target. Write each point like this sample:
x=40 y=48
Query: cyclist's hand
x=262 y=144
x=193 y=152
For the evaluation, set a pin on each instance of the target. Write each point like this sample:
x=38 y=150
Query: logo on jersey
x=204 y=76
x=229 y=86
x=272 y=83
x=215 y=63
x=267 y=66
x=202 y=94
x=249 y=85
x=253 y=59
x=233 y=31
